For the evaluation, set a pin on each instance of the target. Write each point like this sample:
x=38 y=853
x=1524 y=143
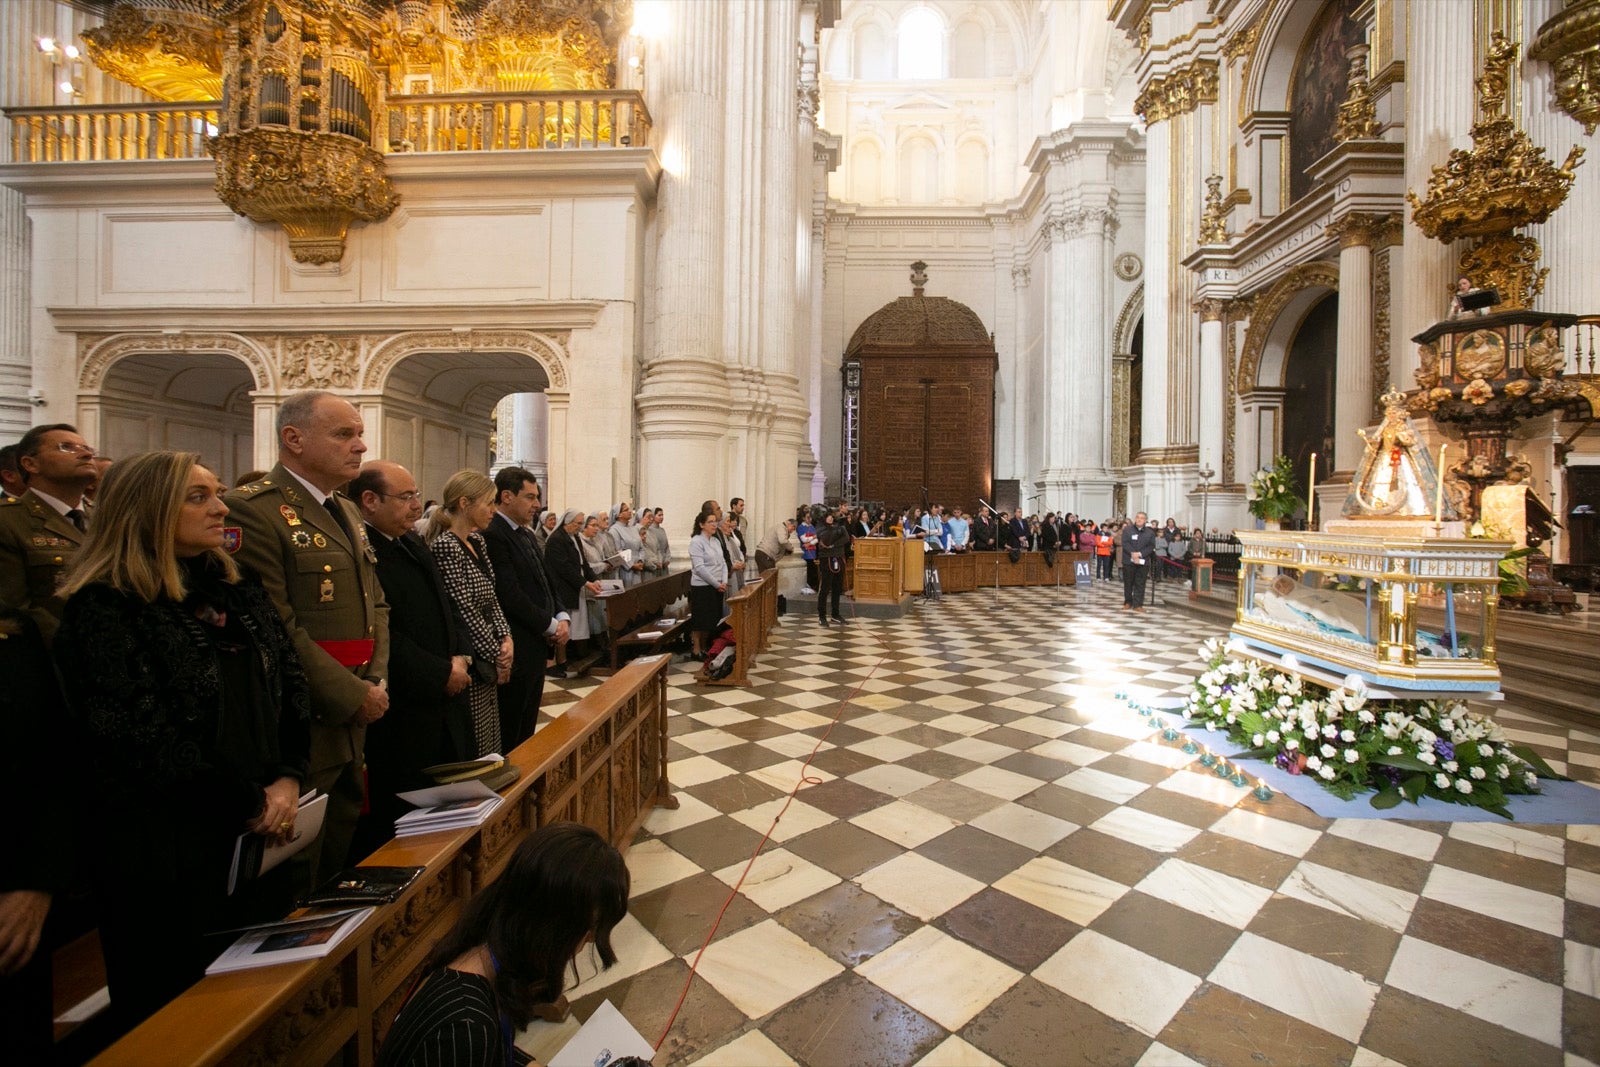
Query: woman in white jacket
x=708 y=581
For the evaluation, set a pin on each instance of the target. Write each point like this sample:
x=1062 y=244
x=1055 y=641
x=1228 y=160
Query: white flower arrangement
x=1395 y=749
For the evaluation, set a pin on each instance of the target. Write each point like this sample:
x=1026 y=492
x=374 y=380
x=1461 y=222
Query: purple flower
x=1444 y=750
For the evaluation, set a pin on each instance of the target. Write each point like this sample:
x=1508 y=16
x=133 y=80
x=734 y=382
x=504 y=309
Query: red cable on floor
x=802 y=781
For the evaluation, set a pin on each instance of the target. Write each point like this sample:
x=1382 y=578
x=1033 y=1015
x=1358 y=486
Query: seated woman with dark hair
x=193 y=709
x=565 y=887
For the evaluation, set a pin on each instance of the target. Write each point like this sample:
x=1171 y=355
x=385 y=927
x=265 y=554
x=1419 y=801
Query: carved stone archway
x=98 y=353
x=549 y=350
x=1269 y=307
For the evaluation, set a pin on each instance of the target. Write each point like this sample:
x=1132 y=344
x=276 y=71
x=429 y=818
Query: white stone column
x=1352 y=398
x=1439 y=113
x=530 y=440
x=1212 y=361
x=1158 y=280
x=683 y=400
x=1079 y=371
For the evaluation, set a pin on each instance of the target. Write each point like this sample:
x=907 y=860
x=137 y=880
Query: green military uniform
x=36 y=543
x=325 y=583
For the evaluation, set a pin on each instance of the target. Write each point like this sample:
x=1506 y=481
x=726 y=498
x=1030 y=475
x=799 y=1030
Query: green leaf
x=1388 y=798
x=1415 y=787
x=1403 y=761
x=1534 y=760
x=1500 y=811
x=1253 y=753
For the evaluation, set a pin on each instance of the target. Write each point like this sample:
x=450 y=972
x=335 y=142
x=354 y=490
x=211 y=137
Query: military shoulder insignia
x=232 y=538
x=301 y=539
x=289 y=514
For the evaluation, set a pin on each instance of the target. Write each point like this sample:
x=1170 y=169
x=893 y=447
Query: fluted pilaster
x=1439 y=113
x=1158 y=256
x=684 y=401
x=1352 y=398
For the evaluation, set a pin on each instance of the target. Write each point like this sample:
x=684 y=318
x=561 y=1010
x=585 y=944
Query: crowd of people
x=217 y=653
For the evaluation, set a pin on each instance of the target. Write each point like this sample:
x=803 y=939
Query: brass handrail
x=446 y=122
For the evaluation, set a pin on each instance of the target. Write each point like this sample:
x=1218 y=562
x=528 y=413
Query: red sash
x=353 y=654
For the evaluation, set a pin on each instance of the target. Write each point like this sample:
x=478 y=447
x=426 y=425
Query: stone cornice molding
x=1180 y=92
x=1121 y=140
x=544 y=316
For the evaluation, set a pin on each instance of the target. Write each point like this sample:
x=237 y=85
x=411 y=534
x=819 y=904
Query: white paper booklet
x=290 y=941
x=254 y=855
x=605 y=1038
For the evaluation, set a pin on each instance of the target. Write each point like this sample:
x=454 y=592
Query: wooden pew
x=602 y=763
x=637 y=608
x=754 y=612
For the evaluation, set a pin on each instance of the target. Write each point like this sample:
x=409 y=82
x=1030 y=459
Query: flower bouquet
x=1271 y=492
x=1396 y=749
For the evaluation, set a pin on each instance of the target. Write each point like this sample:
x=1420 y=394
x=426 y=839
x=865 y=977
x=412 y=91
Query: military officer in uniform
x=309 y=546
x=41 y=530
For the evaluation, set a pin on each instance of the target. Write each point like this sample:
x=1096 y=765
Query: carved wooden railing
x=455 y=122
x=602 y=763
x=100 y=132
x=487 y=122
x=753 y=613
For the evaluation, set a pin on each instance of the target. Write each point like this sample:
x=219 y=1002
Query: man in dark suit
x=1138 y=546
x=1020 y=535
x=523 y=589
x=430 y=654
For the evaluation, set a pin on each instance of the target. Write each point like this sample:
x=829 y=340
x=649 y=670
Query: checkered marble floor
x=992 y=861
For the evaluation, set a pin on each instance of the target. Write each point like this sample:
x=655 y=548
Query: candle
x=1262 y=791
x=1438 y=489
x=1311 y=495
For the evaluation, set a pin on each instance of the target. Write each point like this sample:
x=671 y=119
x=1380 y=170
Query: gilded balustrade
x=443 y=123
x=111 y=132
x=481 y=122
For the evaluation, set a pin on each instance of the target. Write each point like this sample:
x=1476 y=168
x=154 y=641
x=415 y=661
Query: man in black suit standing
x=1138 y=546
x=429 y=668
x=523 y=589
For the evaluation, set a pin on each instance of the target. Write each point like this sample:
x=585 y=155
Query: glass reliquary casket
x=1403 y=613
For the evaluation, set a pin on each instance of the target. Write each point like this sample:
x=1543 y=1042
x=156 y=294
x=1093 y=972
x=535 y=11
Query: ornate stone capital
x=1364 y=228
x=1210 y=309
x=1084 y=220
x=1179 y=92
x=1020 y=276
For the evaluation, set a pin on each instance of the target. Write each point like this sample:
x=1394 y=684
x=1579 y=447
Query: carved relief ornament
x=319 y=362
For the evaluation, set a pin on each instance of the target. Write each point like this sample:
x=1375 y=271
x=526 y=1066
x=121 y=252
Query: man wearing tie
x=1138 y=546
x=523 y=590
x=41 y=530
x=430 y=654
x=309 y=547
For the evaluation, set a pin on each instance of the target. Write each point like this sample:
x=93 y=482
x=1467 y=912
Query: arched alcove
x=188 y=401
x=918 y=170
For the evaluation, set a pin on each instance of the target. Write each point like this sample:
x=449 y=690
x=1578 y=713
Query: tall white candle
x=1311 y=496
x=1438 y=490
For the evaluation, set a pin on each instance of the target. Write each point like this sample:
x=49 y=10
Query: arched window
x=873 y=60
x=969 y=48
x=922 y=45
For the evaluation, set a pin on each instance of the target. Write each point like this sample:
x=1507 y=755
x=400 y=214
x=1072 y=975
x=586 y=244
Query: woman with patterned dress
x=463 y=558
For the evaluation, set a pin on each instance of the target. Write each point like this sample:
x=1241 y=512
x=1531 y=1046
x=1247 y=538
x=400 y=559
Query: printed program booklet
x=289 y=941
x=254 y=855
x=606 y=1038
